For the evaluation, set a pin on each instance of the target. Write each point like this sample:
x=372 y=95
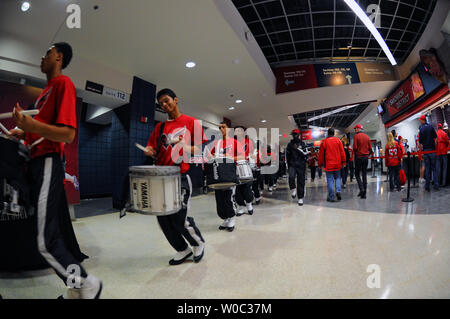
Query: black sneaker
x=230 y=229
x=360 y=194
x=363 y=196
x=338 y=196
x=174 y=262
x=330 y=200
x=427 y=189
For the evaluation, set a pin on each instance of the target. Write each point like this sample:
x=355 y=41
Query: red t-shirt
x=227 y=148
x=57 y=106
x=248 y=146
x=361 y=145
x=185 y=126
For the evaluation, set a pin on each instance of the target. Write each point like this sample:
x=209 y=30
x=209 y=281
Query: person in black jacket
x=296 y=156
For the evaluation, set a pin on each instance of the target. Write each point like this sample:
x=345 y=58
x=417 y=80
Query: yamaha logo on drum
x=144 y=195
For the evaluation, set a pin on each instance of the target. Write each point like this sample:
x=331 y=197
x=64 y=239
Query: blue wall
x=94 y=158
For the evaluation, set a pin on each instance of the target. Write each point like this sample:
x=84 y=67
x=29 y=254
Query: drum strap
x=158 y=145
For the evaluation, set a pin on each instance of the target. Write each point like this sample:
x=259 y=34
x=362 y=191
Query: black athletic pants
x=178 y=227
x=226 y=206
x=244 y=194
x=56 y=239
x=361 y=168
x=299 y=173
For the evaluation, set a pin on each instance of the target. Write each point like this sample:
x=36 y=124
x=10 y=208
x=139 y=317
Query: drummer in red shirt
x=244 y=193
x=182 y=136
x=226 y=148
x=441 y=155
x=393 y=160
x=56 y=123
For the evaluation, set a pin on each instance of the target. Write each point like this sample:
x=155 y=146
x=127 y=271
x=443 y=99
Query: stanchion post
x=408 y=199
x=373 y=168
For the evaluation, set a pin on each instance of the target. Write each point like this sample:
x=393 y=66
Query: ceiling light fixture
x=25 y=6
x=238 y=101
x=190 y=65
x=369 y=25
x=231 y=108
x=332 y=112
x=263 y=121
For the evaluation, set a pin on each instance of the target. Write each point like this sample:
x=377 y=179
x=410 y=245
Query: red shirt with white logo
x=57 y=106
x=184 y=126
x=228 y=147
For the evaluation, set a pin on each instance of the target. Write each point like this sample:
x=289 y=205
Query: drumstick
x=26 y=112
x=4 y=129
x=36 y=142
x=139 y=146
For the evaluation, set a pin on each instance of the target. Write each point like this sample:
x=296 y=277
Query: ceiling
x=293 y=31
x=340 y=120
x=154 y=39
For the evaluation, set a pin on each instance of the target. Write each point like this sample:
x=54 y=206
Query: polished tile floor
x=320 y=250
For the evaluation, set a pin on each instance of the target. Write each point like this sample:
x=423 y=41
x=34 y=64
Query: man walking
x=362 y=149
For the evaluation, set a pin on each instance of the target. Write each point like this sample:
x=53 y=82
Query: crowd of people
x=57 y=123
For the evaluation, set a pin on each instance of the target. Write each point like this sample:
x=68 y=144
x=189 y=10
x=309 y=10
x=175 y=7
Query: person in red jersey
x=56 y=123
x=332 y=159
x=362 y=149
x=393 y=160
x=182 y=136
x=226 y=148
x=244 y=194
x=441 y=155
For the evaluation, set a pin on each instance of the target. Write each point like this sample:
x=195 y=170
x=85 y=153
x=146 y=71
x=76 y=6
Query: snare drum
x=221 y=174
x=14 y=188
x=155 y=190
x=244 y=172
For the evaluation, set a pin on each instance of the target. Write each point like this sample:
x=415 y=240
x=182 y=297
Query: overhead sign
x=295 y=78
x=306 y=135
x=106 y=91
x=411 y=90
x=373 y=72
x=336 y=74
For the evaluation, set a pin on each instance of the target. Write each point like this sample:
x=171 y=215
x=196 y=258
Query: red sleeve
x=386 y=152
x=66 y=104
x=321 y=154
x=153 y=140
x=343 y=157
x=355 y=149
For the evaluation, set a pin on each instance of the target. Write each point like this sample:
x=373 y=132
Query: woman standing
x=393 y=162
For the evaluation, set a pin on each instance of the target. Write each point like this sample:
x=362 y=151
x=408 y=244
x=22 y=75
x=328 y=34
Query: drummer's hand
x=17 y=133
x=150 y=151
x=25 y=122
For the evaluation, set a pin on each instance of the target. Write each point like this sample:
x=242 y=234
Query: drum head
x=152 y=170
x=219 y=186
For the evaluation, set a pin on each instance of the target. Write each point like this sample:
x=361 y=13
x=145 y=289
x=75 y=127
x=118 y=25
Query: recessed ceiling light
x=231 y=108
x=238 y=101
x=263 y=121
x=25 y=6
x=190 y=65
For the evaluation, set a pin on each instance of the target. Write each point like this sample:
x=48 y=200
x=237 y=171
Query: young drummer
x=56 y=123
x=244 y=194
x=226 y=148
x=182 y=136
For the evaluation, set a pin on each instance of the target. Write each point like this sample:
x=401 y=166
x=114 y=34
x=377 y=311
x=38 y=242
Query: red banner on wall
x=410 y=91
x=294 y=78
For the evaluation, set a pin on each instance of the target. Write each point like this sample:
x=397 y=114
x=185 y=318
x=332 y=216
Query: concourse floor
x=319 y=250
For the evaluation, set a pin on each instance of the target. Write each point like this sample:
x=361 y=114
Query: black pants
x=226 y=207
x=351 y=167
x=55 y=235
x=313 y=172
x=361 y=168
x=256 y=183
x=394 y=177
x=244 y=194
x=299 y=173
x=344 y=174
x=178 y=227
x=269 y=179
